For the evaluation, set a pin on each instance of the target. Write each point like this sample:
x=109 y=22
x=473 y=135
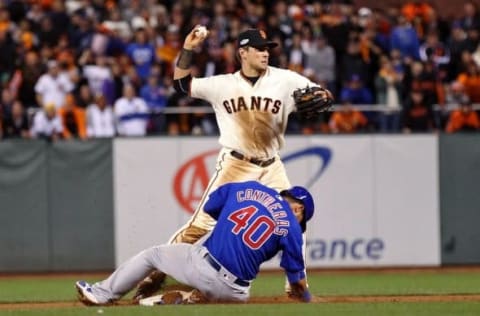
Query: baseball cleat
x=151 y=301
x=169 y=298
x=150 y=285
x=174 y=298
x=85 y=294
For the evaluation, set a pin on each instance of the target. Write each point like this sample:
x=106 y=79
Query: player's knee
x=190 y=235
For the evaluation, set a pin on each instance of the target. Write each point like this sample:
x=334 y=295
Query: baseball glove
x=310 y=102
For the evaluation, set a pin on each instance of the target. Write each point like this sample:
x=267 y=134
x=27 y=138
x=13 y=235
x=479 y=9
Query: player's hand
x=324 y=94
x=299 y=291
x=194 y=39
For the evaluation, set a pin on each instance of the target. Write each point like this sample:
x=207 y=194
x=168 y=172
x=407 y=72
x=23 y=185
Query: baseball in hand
x=201 y=31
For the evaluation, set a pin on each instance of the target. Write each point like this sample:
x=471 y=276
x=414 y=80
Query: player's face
x=256 y=59
x=297 y=209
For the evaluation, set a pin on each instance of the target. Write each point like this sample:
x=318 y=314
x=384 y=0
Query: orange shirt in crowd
x=349 y=121
x=412 y=10
x=459 y=119
x=471 y=84
x=79 y=117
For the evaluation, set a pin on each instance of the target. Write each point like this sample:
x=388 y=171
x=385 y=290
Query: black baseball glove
x=311 y=101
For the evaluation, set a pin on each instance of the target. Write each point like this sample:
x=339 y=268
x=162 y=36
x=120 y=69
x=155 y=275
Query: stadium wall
x=90 y=205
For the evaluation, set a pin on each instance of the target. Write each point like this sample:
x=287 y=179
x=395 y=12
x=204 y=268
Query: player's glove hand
x=311 y=101
x=299 y=292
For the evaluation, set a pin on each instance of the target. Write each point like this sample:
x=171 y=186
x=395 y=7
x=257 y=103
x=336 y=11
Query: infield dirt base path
x=274 y=300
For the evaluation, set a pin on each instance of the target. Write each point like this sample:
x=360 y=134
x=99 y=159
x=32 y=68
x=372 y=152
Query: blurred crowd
x=103 y=68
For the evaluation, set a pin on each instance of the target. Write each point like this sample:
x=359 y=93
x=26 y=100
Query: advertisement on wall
x=376 y=196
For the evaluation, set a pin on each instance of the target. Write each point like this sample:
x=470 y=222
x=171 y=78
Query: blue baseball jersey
x=253 y=224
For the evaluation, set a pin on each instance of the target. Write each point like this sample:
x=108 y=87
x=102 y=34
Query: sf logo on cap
x=262 y=34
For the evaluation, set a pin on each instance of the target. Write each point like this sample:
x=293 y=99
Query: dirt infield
x=270 y=300
x=275 y=300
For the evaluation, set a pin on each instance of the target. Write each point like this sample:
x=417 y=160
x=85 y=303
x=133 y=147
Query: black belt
x=217 y=267
x=255 y=161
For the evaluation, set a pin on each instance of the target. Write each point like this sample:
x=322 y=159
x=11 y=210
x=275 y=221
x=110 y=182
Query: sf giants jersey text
x=252 y=118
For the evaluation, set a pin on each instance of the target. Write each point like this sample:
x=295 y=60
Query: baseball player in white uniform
x=251 y=107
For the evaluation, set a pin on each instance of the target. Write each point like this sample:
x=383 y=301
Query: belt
x=255 y=161
x=217 y=267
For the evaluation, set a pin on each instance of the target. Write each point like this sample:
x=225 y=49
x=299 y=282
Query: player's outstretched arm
x=192 y=41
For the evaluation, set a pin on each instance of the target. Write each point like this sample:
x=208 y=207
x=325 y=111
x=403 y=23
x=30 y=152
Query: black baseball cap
x=255 y=38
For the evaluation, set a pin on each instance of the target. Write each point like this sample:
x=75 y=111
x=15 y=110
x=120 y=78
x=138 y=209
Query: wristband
x=185 y=59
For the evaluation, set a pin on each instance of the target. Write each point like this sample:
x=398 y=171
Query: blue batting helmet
x=303 y=196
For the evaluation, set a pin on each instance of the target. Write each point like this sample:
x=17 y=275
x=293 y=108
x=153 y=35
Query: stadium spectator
x=347 y=119
x=296 y=55
x=423 y=77
x=455 y=93
x=31 y=70
x=7 y=56
x=388 y=85
x=168 y=51
x=141 y=53
x=417 y=114
x=435 y=51
x=74 y=33
x=47 y=34
x=405 y=39
x=463 y=119
x=100 y=118
x=470 y=79
x=321 y=60
x=155 y=95
x=15 y=124
x=52 y=86
x=47 y=124
x=352 y=63
x=418 y=13
x=95 y=69
x=117 y=24
x=7 y=100
x=131 y=113
x=471 y=16
x=457 y=44
x=84 y=96
x=73 y=119
x=113 y=87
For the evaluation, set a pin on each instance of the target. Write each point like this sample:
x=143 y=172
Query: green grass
x=363 y=309
x=322 y=284
x=371 y=283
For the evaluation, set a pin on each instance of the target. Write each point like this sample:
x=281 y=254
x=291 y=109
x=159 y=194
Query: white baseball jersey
x=131 y=115
x=42 y=125
x=100 y=123
x=54 y=89
x=96 y=76
x=252 y=118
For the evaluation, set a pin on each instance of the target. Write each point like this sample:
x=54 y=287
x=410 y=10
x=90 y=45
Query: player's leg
x=275 y=176
x=170 y=259
x=228 y=169
x=212 y=283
